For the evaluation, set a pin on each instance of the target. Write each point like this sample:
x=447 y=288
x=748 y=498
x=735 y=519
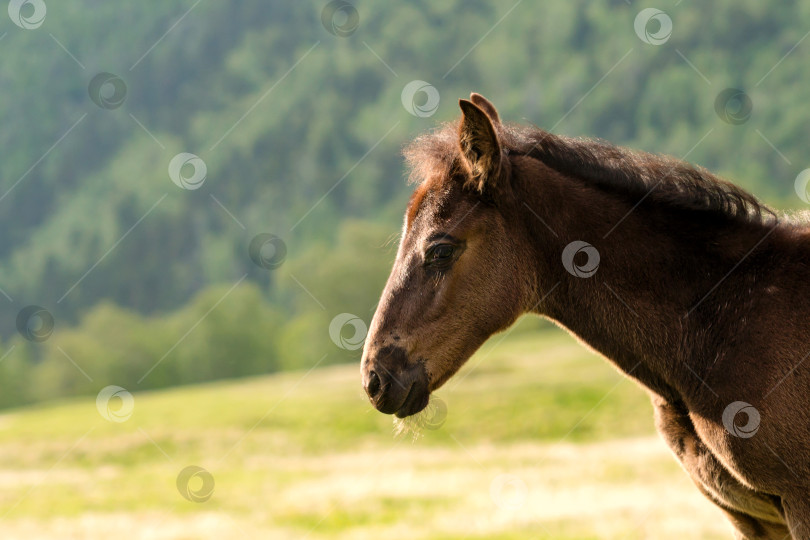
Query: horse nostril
x=373 y=386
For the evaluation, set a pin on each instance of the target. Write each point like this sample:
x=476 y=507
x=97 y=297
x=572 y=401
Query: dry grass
x=542 y=440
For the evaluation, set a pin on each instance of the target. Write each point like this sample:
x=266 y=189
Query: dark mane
x=635 y=175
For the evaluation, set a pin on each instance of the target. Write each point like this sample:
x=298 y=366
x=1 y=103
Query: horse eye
x=440 y=254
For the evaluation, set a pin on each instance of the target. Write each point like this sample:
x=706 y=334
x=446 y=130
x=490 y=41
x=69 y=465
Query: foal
x=683 y=281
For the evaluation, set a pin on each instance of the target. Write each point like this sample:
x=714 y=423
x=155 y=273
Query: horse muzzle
x=393 y=385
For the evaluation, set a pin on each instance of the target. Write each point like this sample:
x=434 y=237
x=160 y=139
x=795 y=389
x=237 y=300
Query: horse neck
x=639 y=308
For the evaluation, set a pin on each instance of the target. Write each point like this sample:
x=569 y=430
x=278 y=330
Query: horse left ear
x=480 y=148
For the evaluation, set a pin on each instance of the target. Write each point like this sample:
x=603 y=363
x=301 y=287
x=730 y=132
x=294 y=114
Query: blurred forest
x=300 y=125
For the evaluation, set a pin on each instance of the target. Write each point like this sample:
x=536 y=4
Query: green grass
x=295 y=456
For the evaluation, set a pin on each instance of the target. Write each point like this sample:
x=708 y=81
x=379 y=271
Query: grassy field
x=542 y=440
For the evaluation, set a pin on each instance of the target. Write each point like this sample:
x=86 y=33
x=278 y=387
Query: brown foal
x=683 y=281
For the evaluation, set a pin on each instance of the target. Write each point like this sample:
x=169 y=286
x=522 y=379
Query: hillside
x=299 y=125
x=541 y=439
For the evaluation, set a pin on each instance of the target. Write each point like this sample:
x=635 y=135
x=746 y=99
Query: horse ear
x=486 y=105
x=480 y=148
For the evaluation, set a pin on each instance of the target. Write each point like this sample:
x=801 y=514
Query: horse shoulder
x=754 y=514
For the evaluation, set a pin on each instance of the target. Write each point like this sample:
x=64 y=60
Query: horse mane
x=658 y=179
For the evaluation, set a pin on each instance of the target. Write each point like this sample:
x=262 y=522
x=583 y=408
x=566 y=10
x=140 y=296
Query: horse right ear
x=486 y=105
x=480 y=148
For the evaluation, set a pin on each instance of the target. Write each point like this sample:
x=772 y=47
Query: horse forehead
x=415 y=202
x=436 y=205
x=431 y=194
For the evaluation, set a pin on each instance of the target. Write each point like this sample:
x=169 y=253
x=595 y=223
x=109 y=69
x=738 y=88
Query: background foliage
x=316 y=159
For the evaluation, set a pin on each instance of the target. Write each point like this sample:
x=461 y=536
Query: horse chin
x=415 y=402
